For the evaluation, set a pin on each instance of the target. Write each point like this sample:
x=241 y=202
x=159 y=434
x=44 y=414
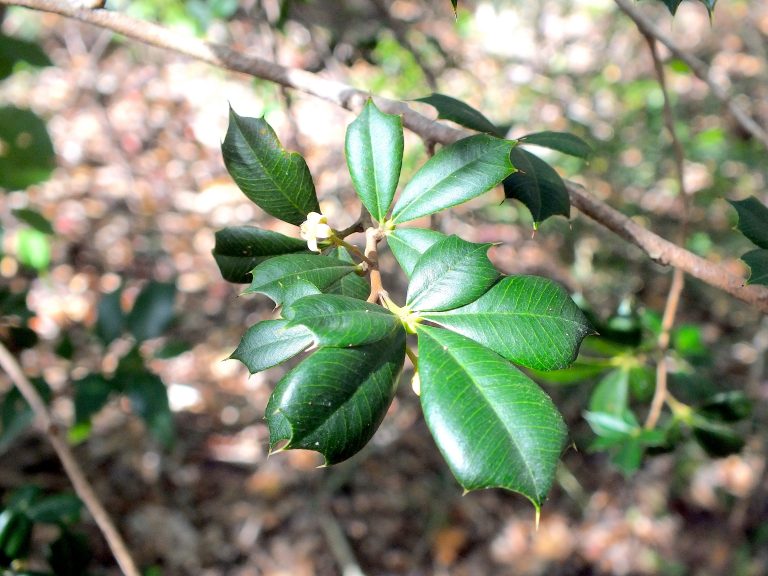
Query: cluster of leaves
x=621 y=361
x=67 y=555
x=494 y=426
x=753 y=223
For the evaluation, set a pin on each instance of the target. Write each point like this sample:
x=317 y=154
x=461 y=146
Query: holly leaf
x=149 y=399
x=757 y=260
x=14 y=50
x=449 y=108
x=526 y=319
x=337 y=320
x=277 y=181
x=270 y=343
x=374 y=149
x=239 y=249
x=34 y=219
x=27 y=156
x=564 y=142
x=275 y=276
x=452 y=272
x=538 y=186
x=334 y=401
x=153 y=311
x=351 y=285
x=753 y=220
x=494 y=426
x=457 y=173
x=408 y=244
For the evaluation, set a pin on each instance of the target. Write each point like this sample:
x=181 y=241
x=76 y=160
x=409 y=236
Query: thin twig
x=56 y=435
x=659 y=249
x=678 y=279
x=698 y=67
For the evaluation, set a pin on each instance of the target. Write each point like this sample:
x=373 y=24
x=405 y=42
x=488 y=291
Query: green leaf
x=34 y=219
x=91 y=394
x=452 y=272
x=564 y=142
x=270 y=343
x=455 y=4
x=110 y=321
x=149 y=399
x=33 y=249
x=342 y=321
x=69 y=554
x=26 y=150
x=672 y=5
x=334 y=401
x=729 y=406
x=753 y=220
x=612 y=426
x=494 y=426
x=16 y=415
x=153 y=311
x=275 y=276
x=611 y=395
x=718 y=440
x=526 y=319
x=351 y=285
x=757 y=260
x=408 y=244
x=277 y=181
x=538 y=186
x=374 y=148
x=61 y=508
x=457 y=173
x=14 y=50
x=449 y=108
x=239 y=249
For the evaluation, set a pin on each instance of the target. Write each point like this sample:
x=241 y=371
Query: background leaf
x=494 y=426
x=14 y=50
x=457 y=173
x=34 y=219
x=374 y=149
x=270 y=343
x=452 y=272
x=564 y=142
x=753 y=220
x=33 y=249
x=239 y=249
x=91 y=394
x=538 y=186
x=277 y=181
x=110 y=321
x=757 y=260
x=526 y=319
x=408 y=244
x=449 y=108
x=153 y=311
x=149 y=399
x=334 y=401
x=27 y=155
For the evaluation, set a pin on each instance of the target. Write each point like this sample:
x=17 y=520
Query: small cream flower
x=315 y=228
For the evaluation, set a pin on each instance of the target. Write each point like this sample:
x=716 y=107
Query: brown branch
x=372 y=238
x=57 y=436
x=659 y=249
x=698 y=67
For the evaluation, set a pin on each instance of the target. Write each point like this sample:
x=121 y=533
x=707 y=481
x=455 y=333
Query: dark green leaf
x=494 y=426
x=153 y=311
x=528 y=320
x=455 y=4
x=172 y=349
x=239 y=249
x=449 y=108
x=34 y=219
x=457 y=173
x=718 y=440
x=277 y=181
x=611 y=395
x=149 y=399
x=408 y=244
x=753 y=220
x=15 y=535
x=33 y=249
x=334 y=401
x=374 y=148
x=91 y=394
x=13 y=50
x=269 y=343
x=564 y=142
x=342 y=321
x=16 y=415
x=729 y=406
x=629 y=456
x=451 y=273
x=352 y=285
x=69 y=554
x=612 y=426
x=26 y=150
x=61 y=508
x=757 y=260
x=110 y=322
x=275 y=276
x=672 y=5
x=577 y=373
x=538 y=186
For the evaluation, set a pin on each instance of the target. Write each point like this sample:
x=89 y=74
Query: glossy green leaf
x=537 y=186
x=33 y=249
x=612 y=426
x=275 y=276
x=337 y=320
x=449 y=108
x=611 y=395
x=451 y=273
x=270 y=343
x=526 y=319
x=757 y=260
x=239 y=249
x=457 y=173
x=14 y=50
x=408 y=244
x=34 y=219
x=277 y=181
x=374 y=149
x=494 y=426
x=753 y=220
x=352 y=285
x=149 y=399
x=15 y=535
x=26 y=150
x=334 y=401
x=564 y=142
x=110 y=321
x=91 y=394
x=153 y=311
